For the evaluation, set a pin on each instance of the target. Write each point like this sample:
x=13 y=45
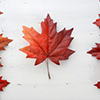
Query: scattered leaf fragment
x=97 y=85
x=3 y=83
x=95 y=51
x=4 y=41
x=49 y=44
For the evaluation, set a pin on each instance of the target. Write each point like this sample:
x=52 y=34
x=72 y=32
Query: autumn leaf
x=50 y=44
x=95 y=51
x=97 y=85
x=97 y=22
x=3 y=83
x=1 y=12
x=4 y=41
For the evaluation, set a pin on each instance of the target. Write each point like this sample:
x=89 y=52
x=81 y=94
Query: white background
x=74 y=78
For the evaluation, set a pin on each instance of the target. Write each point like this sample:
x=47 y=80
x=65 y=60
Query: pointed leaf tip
x=1 y=65
x=3 y=83
x=97 y=85
x=1 y=12
x=94 y=22
x=24 y=27
x=97 y=22
x=72 y=29
x=48 y=15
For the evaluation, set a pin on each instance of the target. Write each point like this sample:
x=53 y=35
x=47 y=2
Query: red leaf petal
x=3 y=83
x=48 y=44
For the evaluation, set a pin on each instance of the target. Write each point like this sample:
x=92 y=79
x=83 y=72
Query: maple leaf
x=49 y=44
x=1 y=12
x=3 y=83
x=4 y=41
x=97 y=85
x=95 y=51
x=97 y=22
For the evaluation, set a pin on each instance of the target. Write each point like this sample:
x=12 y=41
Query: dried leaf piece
x=95 y=51
x=1 y=12
x=97 y=85
x=3 y=83
x=49 y=44
x=97 y=22
x=4 y=41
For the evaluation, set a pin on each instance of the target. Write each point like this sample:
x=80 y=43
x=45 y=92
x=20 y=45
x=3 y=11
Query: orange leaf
x=49 y=44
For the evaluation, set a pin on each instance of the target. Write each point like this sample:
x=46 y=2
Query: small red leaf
x=3 y=83
x=4 y=41
x=95 y=51
x=97 y=85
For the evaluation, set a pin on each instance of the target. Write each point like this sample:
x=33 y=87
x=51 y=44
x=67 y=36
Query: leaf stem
x=48 y=70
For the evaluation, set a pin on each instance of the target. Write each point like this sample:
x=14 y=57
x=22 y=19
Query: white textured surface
x=74 y=78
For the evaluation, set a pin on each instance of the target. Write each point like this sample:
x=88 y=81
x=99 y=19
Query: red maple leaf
x=95 y=51
x=4 y=41
x=1 y=12
x=49 y=44
x=97 y=85
x=97 y=22
x=3 y=83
